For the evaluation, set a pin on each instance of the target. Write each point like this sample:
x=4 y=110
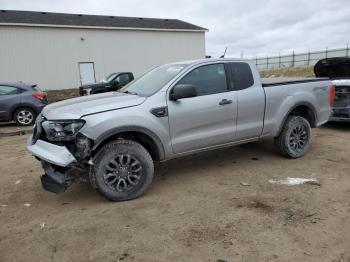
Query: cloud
x=254 y=27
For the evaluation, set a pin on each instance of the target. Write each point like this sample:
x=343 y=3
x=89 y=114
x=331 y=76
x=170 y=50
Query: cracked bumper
x=57 y=155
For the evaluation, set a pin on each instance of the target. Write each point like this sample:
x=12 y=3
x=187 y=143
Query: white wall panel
x=50 y=56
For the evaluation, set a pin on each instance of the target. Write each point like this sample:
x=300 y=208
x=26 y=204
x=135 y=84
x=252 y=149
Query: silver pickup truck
x=173 y=110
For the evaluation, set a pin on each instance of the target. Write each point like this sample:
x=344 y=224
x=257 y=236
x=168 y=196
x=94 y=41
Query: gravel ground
x=215 y=206
x=6 y=128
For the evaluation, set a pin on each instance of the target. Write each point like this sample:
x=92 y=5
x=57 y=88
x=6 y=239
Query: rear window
x=241 y=76
x=36 y=88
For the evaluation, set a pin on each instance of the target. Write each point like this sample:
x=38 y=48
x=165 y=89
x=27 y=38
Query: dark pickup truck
x=113 y=82
x=338 y=70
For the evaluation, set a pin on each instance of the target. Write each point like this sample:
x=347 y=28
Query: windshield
x=152 y=81
x=108 y=78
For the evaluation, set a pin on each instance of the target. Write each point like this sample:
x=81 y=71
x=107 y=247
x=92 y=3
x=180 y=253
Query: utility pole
x=279 y=60
x=267 y=62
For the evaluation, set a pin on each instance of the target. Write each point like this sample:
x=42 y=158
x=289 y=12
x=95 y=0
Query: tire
x=122 y=170
x=24 y=116
x=295 y=137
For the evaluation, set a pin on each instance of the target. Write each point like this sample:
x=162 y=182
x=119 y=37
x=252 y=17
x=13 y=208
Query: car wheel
x=122 y=170
x=294 y=140
x=24 y=116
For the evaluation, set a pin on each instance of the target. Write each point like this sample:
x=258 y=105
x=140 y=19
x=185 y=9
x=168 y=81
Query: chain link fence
x=299 y=59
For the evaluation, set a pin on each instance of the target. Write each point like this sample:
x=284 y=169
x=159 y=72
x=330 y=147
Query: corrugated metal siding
x=50 y=56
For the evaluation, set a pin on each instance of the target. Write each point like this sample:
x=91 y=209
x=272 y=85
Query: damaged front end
x=63 y=152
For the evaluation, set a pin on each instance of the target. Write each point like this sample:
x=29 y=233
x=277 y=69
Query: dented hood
x=76 y=108
x=336 y=67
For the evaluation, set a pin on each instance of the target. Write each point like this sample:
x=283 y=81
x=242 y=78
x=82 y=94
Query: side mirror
x=115 y=83
x=183 y=91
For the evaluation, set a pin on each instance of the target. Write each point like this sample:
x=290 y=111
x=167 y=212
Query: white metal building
x=58 y=51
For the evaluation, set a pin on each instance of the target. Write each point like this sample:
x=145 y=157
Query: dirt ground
x=215 y=206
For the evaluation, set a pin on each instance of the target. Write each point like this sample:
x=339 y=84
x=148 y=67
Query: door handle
x=225 y=102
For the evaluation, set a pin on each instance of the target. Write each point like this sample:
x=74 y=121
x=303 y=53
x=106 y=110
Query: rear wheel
x=122 y=170
x=24 y=116
x=294 y=140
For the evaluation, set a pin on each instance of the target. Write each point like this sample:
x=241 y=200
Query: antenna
x=223 y=56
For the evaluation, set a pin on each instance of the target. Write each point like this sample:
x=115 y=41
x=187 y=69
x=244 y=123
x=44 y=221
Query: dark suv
x=20 y=102
x=113 y=82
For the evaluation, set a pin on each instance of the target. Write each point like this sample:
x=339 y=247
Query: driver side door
x=208 y=119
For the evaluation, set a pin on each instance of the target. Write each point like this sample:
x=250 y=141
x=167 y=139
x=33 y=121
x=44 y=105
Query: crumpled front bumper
x=61 y=168
x=54 y=154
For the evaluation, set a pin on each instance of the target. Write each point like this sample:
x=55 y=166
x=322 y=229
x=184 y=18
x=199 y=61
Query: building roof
x=30 y=18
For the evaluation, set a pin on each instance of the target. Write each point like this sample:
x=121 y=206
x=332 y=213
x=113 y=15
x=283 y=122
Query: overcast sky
x=251 y=27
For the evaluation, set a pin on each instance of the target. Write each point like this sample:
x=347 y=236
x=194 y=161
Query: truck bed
x=276 y=81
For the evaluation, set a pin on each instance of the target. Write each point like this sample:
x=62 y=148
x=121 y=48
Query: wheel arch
x=303 y=109
x=16 y=107
x=145 y=137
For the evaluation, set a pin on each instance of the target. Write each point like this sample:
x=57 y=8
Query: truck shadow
x=245 y=154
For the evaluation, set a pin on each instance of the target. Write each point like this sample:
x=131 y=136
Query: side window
x=241 y=76
x=123 y=79
x=8 y=90
x=209 y=79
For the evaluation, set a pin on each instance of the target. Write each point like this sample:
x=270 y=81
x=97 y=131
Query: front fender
x=117 y=130
x=101 y=126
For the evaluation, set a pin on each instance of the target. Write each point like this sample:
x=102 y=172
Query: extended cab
x=113 y=82
x=173 y=110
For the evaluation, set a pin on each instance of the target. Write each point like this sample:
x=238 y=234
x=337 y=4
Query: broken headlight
x=62 y=130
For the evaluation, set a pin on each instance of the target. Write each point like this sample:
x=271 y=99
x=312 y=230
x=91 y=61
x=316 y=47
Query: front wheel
x=122 y=170
x=294 y=140
x=24 y=116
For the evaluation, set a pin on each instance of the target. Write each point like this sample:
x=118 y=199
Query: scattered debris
x=42 y=225
x=291 y=215
x=27 y=205
x=260 y=205
x=291 y=181
x=3 y=205
x=254 y=158
x=18 y=181
x=123 y=256
x=91 y=162
x=244 y=184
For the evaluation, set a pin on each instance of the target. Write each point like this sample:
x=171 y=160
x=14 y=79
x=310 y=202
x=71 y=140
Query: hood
x=75 y=108
x=336 y=67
